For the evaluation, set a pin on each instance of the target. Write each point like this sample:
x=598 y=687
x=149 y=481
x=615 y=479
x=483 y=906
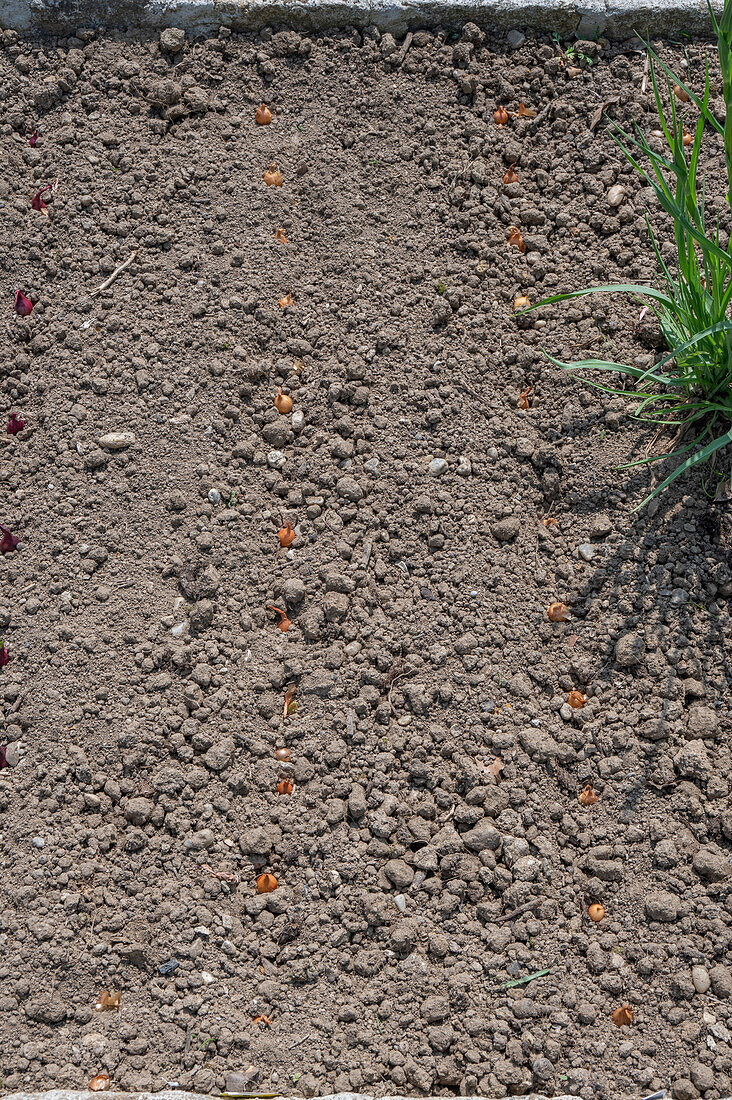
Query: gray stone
x=199 y=841
x=116 y=441
x=437 y=467
x=515 y=40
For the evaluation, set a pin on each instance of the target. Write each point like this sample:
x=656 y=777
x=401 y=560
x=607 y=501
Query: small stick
x=533 y=122
x=517 y=912
x=405 y=48
x=117 y=271
x=646 y=68
x=298 y=1041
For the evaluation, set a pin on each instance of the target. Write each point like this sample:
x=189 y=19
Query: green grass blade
x=601 y=364
x=606 y=288
x=688 y=464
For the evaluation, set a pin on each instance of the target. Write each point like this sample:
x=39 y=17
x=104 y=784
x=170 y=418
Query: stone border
x=174 y=1094
x=586 y=18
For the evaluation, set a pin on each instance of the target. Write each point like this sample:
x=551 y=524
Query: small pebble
x=700 y=979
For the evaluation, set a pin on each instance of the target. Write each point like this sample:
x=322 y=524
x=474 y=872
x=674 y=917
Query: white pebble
x=700 y=978
x=616 y=195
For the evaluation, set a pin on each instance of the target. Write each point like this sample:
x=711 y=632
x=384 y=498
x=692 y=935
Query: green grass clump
x=690 y=388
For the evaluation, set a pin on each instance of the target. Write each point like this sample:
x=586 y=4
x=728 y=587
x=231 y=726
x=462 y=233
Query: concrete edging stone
x=586 y=18
x=175 y=1094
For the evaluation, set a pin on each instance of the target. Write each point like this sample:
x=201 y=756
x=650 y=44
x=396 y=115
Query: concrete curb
x=174 y=1094
x=586 y=18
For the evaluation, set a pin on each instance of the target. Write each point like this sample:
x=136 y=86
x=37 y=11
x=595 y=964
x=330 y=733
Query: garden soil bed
x=433 y=847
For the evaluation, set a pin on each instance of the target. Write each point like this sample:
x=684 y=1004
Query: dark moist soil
x=435 y=522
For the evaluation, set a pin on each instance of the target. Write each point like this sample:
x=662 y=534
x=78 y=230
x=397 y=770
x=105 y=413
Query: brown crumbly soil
x=435 y=522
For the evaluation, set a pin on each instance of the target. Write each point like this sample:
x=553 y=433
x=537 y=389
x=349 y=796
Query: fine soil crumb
x=428 y=843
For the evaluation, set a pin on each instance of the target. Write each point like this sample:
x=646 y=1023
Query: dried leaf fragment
x=222 y=876
x=526 y=112
x=515 y=238
x=524 y=400
x=623 y=1016
x=576 y=699
x=280 y=236
x=597 y=115
x=289 y=705
x=495 y=767
x=521 y=302
x=262 y=1020
x=285 y=786
x=107 y=1002
x=588 y=797
x=286 y=301
x=558 y=612
x=100 y=1083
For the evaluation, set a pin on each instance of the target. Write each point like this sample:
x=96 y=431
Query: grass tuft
x=690 y=388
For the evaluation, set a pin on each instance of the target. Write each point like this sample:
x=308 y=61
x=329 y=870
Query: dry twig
x=117 y=272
